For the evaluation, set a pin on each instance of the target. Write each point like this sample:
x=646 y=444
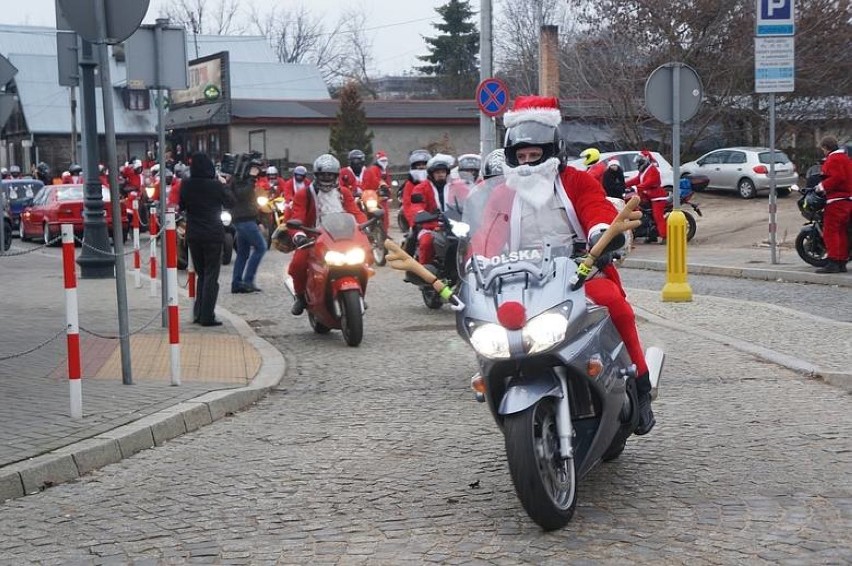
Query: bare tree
x=341 y=51
x=516 y=39
x=220 y=17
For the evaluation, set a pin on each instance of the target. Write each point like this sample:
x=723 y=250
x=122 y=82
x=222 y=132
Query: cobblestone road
x=380 y=455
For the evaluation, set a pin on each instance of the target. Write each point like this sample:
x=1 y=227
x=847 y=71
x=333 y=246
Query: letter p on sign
x=775 y=9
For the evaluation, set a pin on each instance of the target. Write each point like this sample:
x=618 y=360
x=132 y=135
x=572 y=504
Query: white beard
x=534 y=184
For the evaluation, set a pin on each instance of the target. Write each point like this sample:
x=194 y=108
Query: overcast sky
x=396 y=35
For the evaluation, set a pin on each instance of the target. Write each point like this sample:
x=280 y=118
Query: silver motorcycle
x=554 y=370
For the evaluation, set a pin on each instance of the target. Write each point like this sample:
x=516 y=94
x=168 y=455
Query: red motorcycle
x=337 y=274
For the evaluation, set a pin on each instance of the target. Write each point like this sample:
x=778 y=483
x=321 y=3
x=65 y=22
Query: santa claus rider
x=547 y=196
x=436 y=194
x=323 y=196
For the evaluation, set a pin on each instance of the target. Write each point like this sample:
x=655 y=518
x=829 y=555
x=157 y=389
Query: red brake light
x=761 y=169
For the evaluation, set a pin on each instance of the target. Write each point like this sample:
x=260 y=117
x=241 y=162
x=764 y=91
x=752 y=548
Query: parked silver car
x=744 y=169
x=627 y=159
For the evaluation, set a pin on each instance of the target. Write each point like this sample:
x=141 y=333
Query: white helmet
x=271 y=170
x=155 y=169
x=326 y=172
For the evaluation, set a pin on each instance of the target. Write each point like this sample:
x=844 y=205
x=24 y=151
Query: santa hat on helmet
x=542 y=109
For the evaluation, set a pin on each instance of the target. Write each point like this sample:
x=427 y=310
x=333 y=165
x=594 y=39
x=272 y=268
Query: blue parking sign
x=775 y=17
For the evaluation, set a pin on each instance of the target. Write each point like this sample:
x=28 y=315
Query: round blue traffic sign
x=492 y=97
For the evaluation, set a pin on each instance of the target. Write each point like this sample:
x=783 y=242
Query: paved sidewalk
x=228 y=368
x=223 y=369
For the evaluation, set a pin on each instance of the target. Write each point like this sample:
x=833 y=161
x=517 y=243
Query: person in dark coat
x=613 y=179
x=202 y=198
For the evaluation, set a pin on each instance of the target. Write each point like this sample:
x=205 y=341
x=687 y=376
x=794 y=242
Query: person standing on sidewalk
x=837 y=186
x=251 y=244
x=202 y=198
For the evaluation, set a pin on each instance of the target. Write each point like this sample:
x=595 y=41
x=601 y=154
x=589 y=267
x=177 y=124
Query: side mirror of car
x=417 y=198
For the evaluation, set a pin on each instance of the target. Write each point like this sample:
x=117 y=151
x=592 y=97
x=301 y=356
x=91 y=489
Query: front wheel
x=351 y=317
x=746 y=188
x=227 y=248
x=811 y=248
x=377 y=242
x=544 y=482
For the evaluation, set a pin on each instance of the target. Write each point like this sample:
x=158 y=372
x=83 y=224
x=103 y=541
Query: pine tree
x=350 y=130
x=454 y=53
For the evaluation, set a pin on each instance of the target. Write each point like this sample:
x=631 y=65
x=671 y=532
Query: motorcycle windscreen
x=339 y=225
x=508 y=235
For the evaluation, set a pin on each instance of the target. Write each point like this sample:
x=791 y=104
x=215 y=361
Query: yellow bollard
x=677 y=288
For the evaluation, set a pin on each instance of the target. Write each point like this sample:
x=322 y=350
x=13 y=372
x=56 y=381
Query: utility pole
x=487 y=127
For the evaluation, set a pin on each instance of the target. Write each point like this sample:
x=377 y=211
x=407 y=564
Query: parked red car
x=55 y=205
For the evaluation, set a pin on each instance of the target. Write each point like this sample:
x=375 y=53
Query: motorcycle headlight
x=225 y=217
x=372 y=204
x=490 y=340
x=355 y=256
x=281 y=206
x=262 y=201
x=544 y=331
x=150 y=192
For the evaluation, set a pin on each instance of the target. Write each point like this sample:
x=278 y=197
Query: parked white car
x=744 y=169
x=628 y=164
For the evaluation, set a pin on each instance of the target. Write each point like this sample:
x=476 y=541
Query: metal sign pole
x=773 y=192
x=161 y=141
x=115 y=200
x=676 y=134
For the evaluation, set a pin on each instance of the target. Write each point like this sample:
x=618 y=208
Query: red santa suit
x=597 y=170
x=305 y=210
x=837 y=215
x=173 y=198
x=587 y=210
x=649 y=186
x=356 y=183
x=377 y=178
x=452 y=194
x=290 y=187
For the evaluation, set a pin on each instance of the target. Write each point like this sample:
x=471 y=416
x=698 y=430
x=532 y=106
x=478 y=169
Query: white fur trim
x=547 y=116
x=597 y=229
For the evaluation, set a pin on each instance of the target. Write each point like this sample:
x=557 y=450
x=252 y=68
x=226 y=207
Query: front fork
x=563 y=417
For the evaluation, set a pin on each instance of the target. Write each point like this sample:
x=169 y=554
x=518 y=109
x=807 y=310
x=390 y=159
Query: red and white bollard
x=72 y=325
x=153 y=232
x=137 y=255
x=172 y=293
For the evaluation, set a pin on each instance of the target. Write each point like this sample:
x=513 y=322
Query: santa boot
x=646 y=414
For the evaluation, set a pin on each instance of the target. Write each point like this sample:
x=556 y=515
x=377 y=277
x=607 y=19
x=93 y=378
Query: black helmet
x=355 y=155
x=75 y=169
x=532 y=134
x=43 y=169
x=815 y=201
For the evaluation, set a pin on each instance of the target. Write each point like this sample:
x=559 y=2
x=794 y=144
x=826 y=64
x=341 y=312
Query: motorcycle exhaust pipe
x=655 y=358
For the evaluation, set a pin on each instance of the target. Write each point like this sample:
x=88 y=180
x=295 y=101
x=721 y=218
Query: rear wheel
x=402 y=222
x=46 y=236
x=351 y=317
x=544 y=482
x=811 y=248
